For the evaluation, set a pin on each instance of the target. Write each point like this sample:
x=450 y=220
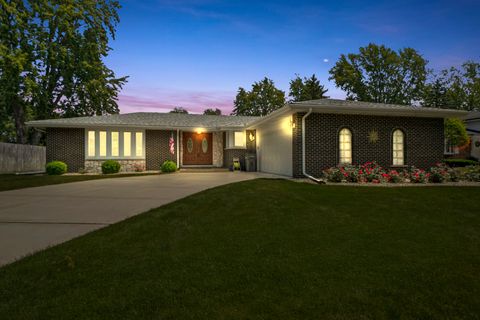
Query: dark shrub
x=110 y=166
x=472 y=173
x=169 y=166
x=460 y=162
x=56 y=168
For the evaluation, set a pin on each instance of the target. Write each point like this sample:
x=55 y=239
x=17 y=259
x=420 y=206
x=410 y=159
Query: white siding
x=274 y=146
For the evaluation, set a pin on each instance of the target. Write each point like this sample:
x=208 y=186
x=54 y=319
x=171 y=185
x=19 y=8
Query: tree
x=179 y=110
x=454 y=88
x=260 y=101
x=456 y=132
x=306 y=89
x=379 y=74
x=51 y=59
x=213 y=112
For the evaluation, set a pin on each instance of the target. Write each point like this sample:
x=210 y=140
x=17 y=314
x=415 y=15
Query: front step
x=202 y=169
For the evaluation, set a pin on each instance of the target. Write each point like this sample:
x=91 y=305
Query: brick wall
x=157 y=148
x=67 y=145
x=423 y=140
x=229 y=154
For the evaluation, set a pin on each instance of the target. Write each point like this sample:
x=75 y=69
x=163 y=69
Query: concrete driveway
x=36 y=218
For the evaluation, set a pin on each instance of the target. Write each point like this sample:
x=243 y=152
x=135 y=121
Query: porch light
x=292 y=122
x=199 y=130
x=251 y=136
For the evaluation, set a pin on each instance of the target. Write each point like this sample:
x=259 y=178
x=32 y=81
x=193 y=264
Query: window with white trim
x=398 y=148
x=115 y=144
x=345 y=146
x=450 y=149
x=236 y=139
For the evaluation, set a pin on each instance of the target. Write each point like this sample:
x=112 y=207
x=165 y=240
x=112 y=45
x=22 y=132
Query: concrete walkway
x=35 y=218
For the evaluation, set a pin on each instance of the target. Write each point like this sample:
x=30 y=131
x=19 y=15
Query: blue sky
x=196 y=54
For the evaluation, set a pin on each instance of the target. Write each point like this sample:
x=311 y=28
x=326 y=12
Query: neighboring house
x=300 y=139
x=472 y=122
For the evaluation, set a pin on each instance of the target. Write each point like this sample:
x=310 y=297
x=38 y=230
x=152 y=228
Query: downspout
x=304 y=170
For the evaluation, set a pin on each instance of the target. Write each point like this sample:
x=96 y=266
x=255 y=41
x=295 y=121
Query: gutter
x=304 y=170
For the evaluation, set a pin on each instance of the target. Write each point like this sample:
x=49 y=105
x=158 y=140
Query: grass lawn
x=266 y=249
x=12 y=181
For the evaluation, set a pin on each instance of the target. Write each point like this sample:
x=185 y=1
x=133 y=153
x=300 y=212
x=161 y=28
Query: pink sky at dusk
x=163 y=100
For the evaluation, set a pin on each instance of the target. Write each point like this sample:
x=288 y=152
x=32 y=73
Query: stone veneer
x=95 y=166
x=217 y=141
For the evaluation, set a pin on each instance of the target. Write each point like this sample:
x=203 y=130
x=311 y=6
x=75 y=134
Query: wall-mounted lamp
x=251 y=136
x=199 y=131
x=292 y=121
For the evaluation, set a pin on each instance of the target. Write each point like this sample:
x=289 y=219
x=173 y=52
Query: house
x=472 y=122
x=297 y=140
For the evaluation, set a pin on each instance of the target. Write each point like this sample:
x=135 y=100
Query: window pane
x=397 y=148
x=103 y=143
x=91 y=143
x=345 y=145
x=239 y=139
x=127 y=144
x=138 y=144
x=114 y=141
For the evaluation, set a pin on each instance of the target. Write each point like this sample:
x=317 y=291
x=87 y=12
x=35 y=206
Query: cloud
x=325 y=60
x=164 y=100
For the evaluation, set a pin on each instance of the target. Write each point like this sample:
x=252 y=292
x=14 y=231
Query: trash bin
x=250 y=162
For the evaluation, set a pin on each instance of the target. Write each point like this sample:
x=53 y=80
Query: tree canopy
x=51 y=60
x=455 y=132
x=179 y=110
x=455 y=88
x=306 y=89
x=380 y=74
x=262 y=99
x=212 y=112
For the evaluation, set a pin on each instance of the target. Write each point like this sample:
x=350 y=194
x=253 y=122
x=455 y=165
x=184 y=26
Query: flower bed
x=371 y=172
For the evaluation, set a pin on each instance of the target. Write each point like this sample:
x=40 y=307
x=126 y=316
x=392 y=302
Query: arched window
x=345 y=144
x=398 y=144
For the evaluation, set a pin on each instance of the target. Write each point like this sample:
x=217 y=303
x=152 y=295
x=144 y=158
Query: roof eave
x=43 y=125
x=425 y=113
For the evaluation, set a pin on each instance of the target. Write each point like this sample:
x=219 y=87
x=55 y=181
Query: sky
x=197 y=53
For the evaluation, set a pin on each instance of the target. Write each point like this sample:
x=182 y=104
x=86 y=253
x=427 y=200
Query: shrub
x=472 y=173
x=110 y=166
x=169 y=166
x=460 y=162
x=56 y=168
x=418 y=175
x=334 y=175
x=371 y=172
x=396 y=177
x=439 y=173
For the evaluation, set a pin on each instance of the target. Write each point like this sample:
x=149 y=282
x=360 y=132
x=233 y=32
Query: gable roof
x=155 y=120
x=152 y=120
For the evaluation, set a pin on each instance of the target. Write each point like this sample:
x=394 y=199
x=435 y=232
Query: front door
x=197 y=148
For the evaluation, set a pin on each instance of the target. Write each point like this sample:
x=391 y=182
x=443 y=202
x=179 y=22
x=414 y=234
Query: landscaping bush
x=439 y=173
x=333 y=175
x=418 y=175
x=460 y=162
x=110 y=166
x=472 y=173
x=169 y=166
x=56 y=168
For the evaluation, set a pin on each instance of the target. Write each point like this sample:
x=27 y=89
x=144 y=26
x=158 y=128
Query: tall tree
x=454 y=88
x=179 y=110
x=260 y=101
x=306 y=89
x=58 y=48
x=212 y=112
x=379 y=74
